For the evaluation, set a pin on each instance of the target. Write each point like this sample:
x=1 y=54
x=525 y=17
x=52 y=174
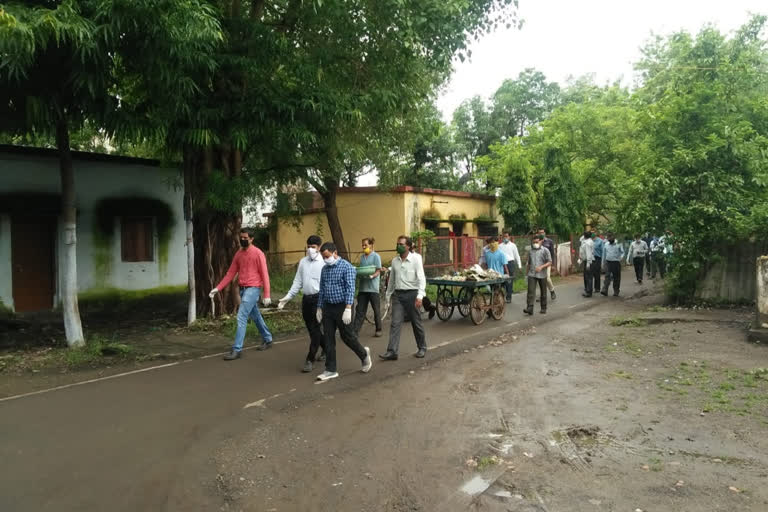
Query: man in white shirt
x=308 y=281
x=509 y=249
x=587 y=258
x=408 y=284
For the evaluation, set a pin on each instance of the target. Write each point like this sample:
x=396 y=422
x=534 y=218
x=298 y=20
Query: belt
x=311 y=296
x=406 y=291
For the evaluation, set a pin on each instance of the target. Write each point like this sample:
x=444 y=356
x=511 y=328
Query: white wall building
x=130 y=226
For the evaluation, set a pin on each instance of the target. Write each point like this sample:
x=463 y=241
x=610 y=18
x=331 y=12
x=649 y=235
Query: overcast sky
x=576 y=37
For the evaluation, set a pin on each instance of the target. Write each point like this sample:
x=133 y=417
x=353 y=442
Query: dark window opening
x=137 y=239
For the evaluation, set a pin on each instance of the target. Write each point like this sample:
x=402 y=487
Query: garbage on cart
x=473 y=273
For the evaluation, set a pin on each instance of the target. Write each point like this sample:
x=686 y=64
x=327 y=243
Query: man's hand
x=281 y=303
x=213 y=292
x=539 y=268
x=319 y=315
x=347 y=316
x=418 y=303
x=267 y=301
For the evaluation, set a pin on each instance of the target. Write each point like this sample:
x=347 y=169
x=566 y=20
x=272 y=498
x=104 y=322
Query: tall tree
x=474 y=133
x=523 y=102
x=84 y=46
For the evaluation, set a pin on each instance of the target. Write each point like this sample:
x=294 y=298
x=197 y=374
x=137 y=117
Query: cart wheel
x=478 y=310
x=464 y=298
x=498 y=303
x=444 y=304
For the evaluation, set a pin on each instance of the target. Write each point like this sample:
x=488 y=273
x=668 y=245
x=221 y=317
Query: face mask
x=506 y=240
x=536 y=246
x=400 y=249
x=244 y=243
x=367 y=250
x=311 y=252
x=330 y=261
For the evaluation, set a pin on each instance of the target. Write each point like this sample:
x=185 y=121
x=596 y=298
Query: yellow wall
x=381 y=215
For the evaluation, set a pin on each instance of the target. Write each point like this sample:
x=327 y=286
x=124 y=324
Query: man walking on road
x=408 y=284
x=637 y=252
x=539 y=260
x=509 y=248
x=658 y=261
x=307 y=280
x=613 y=253
x=369 y=288
x=648 y=238
x=597 y=265
x=495 y=259
x=587 y=258
x=334 y=310
x=250 y=265
x=550 y=246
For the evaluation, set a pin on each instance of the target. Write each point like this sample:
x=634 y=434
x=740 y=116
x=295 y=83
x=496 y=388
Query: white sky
x=564 y=38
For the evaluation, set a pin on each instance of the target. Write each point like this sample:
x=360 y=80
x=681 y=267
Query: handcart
x=471 y=298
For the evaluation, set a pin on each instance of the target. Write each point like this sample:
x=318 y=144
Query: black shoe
x=264 y=345
x=528 y=310
x=552 y=295
x=543 y=312
x=586 y=294
x=388 y=356
x=615 y=294
x=233 y=355
x=421 y=353
x=605 y=294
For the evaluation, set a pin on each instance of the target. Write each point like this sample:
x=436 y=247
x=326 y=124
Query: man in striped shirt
x=334 y=310
x=250 y=265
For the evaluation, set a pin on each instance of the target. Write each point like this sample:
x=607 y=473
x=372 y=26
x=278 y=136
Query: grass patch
x=486 y=462
x=619 y=321
x=95 y=351
x=656 y=309
x=621 y=374
x=655 y=464
x=622 y=344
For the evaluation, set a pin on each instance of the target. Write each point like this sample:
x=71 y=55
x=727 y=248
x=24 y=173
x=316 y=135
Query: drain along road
x=611 y=404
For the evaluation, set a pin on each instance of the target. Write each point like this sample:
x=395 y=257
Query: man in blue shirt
x=613 y=253
x=597 y=264
x=368 y=292
x=334 y=310
x=495 y=259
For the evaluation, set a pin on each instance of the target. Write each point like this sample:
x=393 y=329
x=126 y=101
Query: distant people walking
x=613 y=253
x=587 y=259
x=550 y=246
x=658 y=257
x=250 y=265
x=307 y=280
x=509 y=248
x=368 y=290
x=597 y=265
x=648 y=238
x=406 y=288
x=539 y=260
x=334 y=310
x=638 y=250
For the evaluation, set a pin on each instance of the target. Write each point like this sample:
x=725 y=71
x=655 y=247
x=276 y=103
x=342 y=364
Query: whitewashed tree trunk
x=73 y=328
x=192 y=309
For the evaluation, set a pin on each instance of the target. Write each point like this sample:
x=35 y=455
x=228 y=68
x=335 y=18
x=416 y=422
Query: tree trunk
x=189 y=221
x=72 y=326
x=332 y=214
x=215 y=234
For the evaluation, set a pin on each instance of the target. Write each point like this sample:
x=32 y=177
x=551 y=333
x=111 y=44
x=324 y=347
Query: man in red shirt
x=250 y=265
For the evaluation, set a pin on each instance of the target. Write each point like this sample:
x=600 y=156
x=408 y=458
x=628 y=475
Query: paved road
x=121 y=444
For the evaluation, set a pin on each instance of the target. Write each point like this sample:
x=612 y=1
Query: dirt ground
x=627 y=407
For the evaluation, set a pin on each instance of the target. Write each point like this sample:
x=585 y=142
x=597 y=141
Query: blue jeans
x=249 y=308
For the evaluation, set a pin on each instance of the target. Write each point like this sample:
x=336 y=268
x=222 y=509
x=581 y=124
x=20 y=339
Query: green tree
x=62 y=63
x=523 y=102
x=474 y=134
x=508 y=166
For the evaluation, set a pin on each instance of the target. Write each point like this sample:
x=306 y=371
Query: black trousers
x=363 y=299
x=332 y=314
x=639 y=262
x=597 y=268
x=660 y=264
x=612 y=274
x=648 y=262
x=511 y=267
x=588 y=277
x=309 y=314
x=533 y=282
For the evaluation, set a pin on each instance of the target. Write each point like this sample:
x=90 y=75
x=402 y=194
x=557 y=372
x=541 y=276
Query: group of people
x=598 y=255
x=328 y=284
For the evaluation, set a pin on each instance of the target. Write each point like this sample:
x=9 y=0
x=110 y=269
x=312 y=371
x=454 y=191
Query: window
x=137 y=239
x=484 y=230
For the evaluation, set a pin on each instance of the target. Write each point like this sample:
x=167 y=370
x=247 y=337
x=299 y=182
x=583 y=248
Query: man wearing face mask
x=548 y=244
x=509 y=248
x=250 y=265
x=494 y=258
x=368 y=292
x=613 y=252
x=539 y=260
x=334 y=310
x=408 y=284
x=308 y=281
x=637 y=252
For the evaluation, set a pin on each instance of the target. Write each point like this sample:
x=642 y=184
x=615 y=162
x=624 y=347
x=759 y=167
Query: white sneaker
x=367 y=363
x=327 y=376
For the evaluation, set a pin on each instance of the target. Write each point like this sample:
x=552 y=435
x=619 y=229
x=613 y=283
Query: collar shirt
x=337 y=284
x=613 y=251
x=637 y=249
x=510 y=250
x=598 y=245
x=307 y=277
x=536 y=258
x=587 y=251
x=407 y=275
